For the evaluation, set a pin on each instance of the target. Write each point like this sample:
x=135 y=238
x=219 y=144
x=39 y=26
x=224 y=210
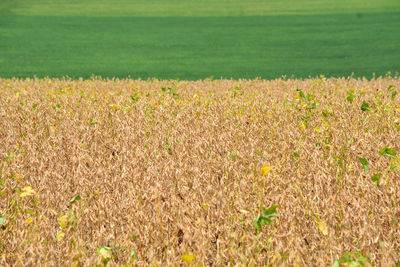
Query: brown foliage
x=180 y=168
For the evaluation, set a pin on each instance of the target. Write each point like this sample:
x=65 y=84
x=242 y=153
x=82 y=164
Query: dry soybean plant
x=210 y=173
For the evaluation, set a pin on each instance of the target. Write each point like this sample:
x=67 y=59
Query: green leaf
x=92 y=122
x=361 y=259
x=10 y=157
x=237 y=88
x=387 y=152
x=175 y=95
x=132 y=254
x=365 y=106
x=391 y=88
x=346 y=258
x=233 y=157
x=169 y=151
x=376 y=177
x=58 y=106
x=296 y=155
x=265 y=217
x=2 y=219
x=394 y=167
x=29 y=212
x=75 y=198
x=34 y=106
x=394 y=95
x=170 y=90
x=364 y=163
x=101 y=248
x=134 y=98
x=351 y=259
x=105 y=254
x=398 y=264
x=350 y=98
x=310 y=97
x=313 y=106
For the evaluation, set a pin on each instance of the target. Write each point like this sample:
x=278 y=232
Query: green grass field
x=197 y=39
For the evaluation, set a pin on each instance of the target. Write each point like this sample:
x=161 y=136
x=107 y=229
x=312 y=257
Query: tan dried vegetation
x=210 y=173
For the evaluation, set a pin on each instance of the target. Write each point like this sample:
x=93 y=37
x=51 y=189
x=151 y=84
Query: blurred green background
x=196 y=39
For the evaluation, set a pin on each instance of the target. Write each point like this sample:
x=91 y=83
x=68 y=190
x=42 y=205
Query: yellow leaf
x=188 y=258
x=325 y=123
x=317 y=129
x=28 y=221
x=63 y=220
x=322 y=227
x=27 y=191
x=266 y=169
x=105 y=253
x=60 y=235
x=18 y=177
x=298 y=96
x=116 y=107
x=302 y=126
x=240 y=114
